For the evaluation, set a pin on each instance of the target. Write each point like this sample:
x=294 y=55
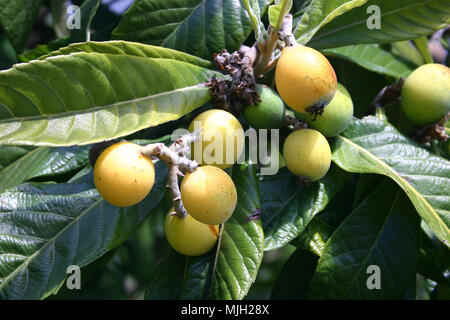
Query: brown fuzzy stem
x=167 y=155
x=172 y=184
x=176 y=158
x=435 y=131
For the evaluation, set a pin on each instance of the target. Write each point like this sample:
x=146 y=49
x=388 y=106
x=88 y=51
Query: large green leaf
x=181 y=277
x=287 y=209
x=383 y=232
x=374 y=146
x=131 y=49
x=322 y=226
x=43 y=161
x=242 y=243
x=200 y=27
x=320 y=12
x=87 y=97
x=400 y=20
x=17 y=19
x=230 y=270
x=373 y=58
x=46 y=227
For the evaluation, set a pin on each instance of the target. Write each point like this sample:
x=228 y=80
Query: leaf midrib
x=352 y=282
x=97 y=108
x=50 y=241
x=402 y=182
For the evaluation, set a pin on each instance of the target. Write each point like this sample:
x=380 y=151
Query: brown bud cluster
x=233 y=95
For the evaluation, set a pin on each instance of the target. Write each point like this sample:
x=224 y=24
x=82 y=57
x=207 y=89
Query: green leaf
x=373 y=58
x=407 y=51
x=224 y=273
x=17 y=19
x=8 y=55
x=366 y=184
x=43 y=161
x=373 y=146
x=87 y=97
x=422 y=46
x=130 y=49
x=199 y=27
x=87 y=13
x=322 y=226
x=47 y=227
x=294 y=280
x=167 y=278
x=254 y=13
x=181 y=277
x=9 y=154
x=383 y=231
x=319 y=13
x=241 y=245
x=400 y=20
x=278 y=11
x=287 y=209
x=43 y=49
x=434 y=261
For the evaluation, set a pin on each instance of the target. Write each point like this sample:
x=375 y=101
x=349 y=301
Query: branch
x=176 y=158
x=172 y=184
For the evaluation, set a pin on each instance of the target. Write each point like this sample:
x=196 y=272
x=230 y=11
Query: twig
x=176 y=158
x=286 y=31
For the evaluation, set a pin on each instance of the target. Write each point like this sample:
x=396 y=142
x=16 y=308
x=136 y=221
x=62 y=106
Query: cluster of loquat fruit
x=306 y=82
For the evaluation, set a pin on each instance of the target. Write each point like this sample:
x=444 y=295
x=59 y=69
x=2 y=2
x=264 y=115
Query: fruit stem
x=286 y=31
x=266 y=51
x=295 y=123
x=176 y=157
x=172 y=184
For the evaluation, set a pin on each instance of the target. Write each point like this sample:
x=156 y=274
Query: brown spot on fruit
x=213 y=230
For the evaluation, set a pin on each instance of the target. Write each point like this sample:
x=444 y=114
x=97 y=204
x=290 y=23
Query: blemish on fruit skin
x=135 y=181
x=213 y=230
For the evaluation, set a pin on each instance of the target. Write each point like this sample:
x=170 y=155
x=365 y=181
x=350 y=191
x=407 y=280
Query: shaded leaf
x=287 y=209
x=294 y=280
x=43 y=161
x=384 y=232
x=17 y=19
x=45 y=227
